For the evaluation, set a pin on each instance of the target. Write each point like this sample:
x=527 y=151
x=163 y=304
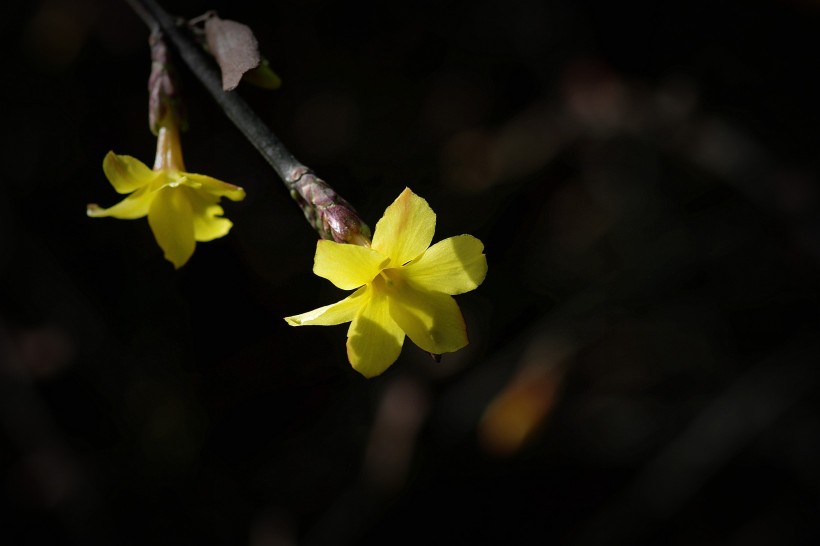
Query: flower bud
x=329 y=213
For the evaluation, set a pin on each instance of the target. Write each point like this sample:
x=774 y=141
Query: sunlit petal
x=134 y=206
x=347 y=266
x=452 y=266
x=374 y=339
x=127 y=173
x=217 y=187
x=336 y=313
x=431 y=319
x=171 y=220
x=406 y=229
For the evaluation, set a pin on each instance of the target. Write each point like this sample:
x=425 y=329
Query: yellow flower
x=403 y=287
x=182 y=207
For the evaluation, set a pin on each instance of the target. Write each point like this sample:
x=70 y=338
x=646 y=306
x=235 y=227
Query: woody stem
x=246 y=120
x=328 y=213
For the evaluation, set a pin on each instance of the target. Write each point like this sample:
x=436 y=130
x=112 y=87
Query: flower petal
x=336 y=313
x=217 y=187
x=172 y=220
x=374 y=339
x=347 y=266
x=452 y=266
x=431 y=319
x=406 y=229
x=126 y=173
x=134 y=206
x=208 y=223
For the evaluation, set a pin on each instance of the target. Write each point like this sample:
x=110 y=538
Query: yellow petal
x=126 y=173
x=347 y=266
x=374 y=339
x=431 y=319
x=135 y=205
x=406 y=229
x=171 y=220
x=217 y=187
x=452 y=266
x=336 y=313
x=208 y=224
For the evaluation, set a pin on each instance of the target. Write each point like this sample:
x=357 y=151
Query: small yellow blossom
x=182 y=207
x=403 y=286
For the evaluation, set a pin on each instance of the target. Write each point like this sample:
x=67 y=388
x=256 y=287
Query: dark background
x=644 y=350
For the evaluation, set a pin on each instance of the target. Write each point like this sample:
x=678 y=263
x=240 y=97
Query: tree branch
x=332 y=216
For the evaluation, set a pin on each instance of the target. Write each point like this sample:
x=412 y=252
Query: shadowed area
x=642 y=357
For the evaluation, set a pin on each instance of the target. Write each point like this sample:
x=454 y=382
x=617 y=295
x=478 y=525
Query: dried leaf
x=234 y=47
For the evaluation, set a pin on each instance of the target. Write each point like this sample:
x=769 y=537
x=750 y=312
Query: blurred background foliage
x=644 y=351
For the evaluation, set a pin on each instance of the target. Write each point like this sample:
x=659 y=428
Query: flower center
x=388 y=280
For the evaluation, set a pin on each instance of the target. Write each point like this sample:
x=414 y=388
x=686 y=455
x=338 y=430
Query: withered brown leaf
x=234 y=47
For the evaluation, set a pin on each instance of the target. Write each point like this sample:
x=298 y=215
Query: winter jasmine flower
x=403 y=286
x=182 y=207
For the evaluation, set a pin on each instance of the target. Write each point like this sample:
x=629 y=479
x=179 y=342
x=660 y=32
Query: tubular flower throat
x=403 y=286
x=182 y=207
